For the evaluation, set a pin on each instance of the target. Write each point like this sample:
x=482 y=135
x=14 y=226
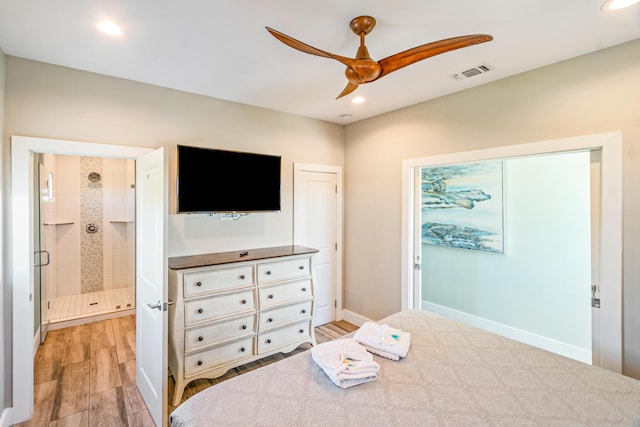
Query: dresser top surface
x=218 y=258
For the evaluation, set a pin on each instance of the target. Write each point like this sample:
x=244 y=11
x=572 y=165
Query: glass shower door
x=42 y=255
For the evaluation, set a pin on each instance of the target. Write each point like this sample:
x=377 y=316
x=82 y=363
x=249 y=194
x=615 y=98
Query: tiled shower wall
x=91 y=243
x=106 y=259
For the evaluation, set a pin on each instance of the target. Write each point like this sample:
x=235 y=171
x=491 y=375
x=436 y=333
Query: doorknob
x=158 y=306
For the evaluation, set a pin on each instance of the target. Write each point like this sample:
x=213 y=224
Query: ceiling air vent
x=480 y=69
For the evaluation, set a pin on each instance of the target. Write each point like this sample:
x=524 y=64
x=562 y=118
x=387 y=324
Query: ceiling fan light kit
x=363 y=69
x=618 y=4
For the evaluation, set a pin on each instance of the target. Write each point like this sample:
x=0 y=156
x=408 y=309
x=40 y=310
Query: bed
x=454 y=374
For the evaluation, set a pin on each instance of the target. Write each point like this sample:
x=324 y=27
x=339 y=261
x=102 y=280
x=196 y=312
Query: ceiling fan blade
x=347 y=90
x=303 y=47
x=418 y=53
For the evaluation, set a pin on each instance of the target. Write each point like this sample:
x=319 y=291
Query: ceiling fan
x=362 y=69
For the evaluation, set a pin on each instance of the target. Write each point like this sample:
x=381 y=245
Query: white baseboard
x=6 y=419
x=539 y=341
x=354 y=318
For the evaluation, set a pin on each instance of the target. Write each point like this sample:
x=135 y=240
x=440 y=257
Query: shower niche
x=87 y=217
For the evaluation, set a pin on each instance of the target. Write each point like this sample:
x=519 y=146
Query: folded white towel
x=383 y=340
x=345 y=362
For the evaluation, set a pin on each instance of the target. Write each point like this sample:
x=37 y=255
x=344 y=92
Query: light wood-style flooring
x=85 y=375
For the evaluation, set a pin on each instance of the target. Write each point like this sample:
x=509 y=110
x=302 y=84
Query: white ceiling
x=221 y=49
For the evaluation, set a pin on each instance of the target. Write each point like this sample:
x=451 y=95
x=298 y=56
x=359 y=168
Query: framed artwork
x=462 y=206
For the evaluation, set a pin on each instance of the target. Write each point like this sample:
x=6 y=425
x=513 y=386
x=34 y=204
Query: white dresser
x=232 y=308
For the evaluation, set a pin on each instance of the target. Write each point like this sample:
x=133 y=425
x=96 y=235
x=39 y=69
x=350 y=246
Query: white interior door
x=151 y=279
x=316 y=224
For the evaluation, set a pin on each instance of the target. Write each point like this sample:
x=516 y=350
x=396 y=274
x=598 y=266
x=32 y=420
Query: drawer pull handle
x=200 y=338
x=304 y=289
x=244 y=301
x=198 y=283
x=270 y=319
x=269 y=341
x=242 y=349
x=242 y=277
x=303 y=311
x=244 y=326
x=301 y=267
x=199 y=362
x=200 y=310
x=270 y=296
x=300 y=331
x=268 y=272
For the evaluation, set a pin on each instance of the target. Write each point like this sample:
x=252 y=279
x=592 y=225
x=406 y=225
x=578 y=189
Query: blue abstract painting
x=462 y=206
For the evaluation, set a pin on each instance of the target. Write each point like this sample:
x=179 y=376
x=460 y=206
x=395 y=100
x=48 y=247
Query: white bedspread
x=454 y=375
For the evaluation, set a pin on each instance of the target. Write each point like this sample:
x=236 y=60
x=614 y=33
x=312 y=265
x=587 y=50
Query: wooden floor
x=85 y=375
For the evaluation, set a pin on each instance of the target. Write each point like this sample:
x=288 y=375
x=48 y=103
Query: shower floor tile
x=75 y=307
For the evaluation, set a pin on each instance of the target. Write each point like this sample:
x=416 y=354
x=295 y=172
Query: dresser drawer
x=219 y=306
x=283 y=270
x=283 y=315
x=199 y=362
x=282 y=294
x=275 y=338
x=219 y=332
x=204 y=282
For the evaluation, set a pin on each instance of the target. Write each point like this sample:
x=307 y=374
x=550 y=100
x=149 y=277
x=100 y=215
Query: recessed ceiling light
x=110 y=27
x=357 y=100
x=618 y=4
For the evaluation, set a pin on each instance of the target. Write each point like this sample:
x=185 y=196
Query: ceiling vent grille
x=480 y=69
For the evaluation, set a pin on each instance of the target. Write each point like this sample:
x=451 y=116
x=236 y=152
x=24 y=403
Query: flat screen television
x=221 y=181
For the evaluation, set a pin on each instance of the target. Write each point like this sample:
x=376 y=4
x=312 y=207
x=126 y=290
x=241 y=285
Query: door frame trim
x=21 y=243
x=302 y=167
x=611 y=230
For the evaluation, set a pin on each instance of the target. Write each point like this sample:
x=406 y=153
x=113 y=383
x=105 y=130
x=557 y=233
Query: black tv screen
x=219 y=181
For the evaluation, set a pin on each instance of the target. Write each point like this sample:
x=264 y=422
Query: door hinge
x=595 y=296
x=416 y=266
x=336 y=246
x=336 y=189
x=335 y=303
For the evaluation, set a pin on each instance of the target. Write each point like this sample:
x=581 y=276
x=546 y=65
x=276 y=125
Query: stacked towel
x=383 y=340
x=345 y=362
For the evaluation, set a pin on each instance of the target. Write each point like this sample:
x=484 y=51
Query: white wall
x=541 y=283
x=577 y=97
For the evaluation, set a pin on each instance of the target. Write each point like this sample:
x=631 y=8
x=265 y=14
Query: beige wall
x=5 y=372
x=591 y=94
x=49 y=101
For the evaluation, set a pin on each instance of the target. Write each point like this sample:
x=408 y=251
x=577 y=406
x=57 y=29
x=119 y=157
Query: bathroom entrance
x=85 y=238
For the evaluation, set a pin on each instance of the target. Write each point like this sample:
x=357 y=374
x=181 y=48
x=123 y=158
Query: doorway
x=609 y=257
x=86 y=207
x=22 y=177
